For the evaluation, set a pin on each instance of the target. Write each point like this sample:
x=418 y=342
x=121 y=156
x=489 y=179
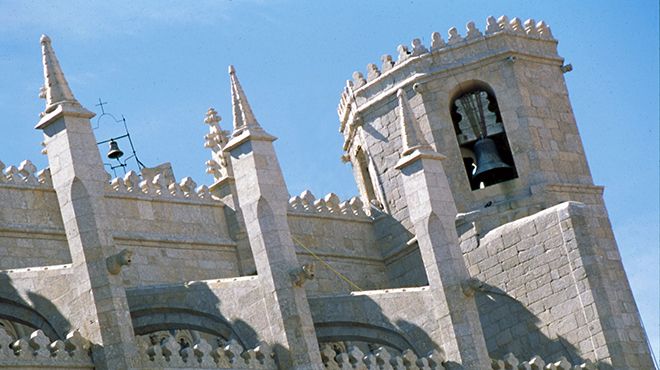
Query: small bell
x=115 y=152
x=490 y=168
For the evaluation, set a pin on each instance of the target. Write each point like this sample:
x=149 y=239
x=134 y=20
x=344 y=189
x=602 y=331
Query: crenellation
x=517 y=26
x=472 y=31
x=418 y=48
x=328 y=206
x=437 y=42
x=504 y=24
x=429 y=267
x=372 y=72
x=25 y=174
x=27 y=169
x=188 y=186
x=530 y=28
x=160 y=187
x=544 y=30
x=387 y=63
x=492 y=25
x=403 y=54
x=358 y=80
x=12 y=175
x=453 y=37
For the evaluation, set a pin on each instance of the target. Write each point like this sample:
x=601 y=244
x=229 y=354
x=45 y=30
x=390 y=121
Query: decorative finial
x=212 y=117
x=243 y=116
x=410 y=132
x=55 y=90
x=216 y=140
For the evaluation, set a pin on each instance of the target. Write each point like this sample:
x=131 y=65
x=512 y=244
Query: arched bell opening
x=481 y=136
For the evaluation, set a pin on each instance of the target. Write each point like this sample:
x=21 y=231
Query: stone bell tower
x=495 y=104
x=498 y=98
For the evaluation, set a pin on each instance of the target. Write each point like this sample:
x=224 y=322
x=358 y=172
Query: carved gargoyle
x=472 y=285
x=116 y=261
x=302 y=274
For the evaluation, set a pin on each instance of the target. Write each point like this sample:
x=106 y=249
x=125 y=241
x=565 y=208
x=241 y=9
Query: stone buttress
x=263 y=198
x=432 y=214
x=98 y=306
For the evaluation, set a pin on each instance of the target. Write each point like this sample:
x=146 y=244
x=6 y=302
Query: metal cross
x=100 y=104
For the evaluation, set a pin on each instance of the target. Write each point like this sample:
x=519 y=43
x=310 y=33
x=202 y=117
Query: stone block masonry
x=432 y=266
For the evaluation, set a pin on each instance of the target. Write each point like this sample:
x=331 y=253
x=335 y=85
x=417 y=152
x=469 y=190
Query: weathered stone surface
x=529 y=268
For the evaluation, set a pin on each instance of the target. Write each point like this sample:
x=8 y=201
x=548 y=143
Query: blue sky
x=163 y=63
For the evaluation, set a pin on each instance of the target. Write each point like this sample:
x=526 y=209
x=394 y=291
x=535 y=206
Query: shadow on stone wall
x=497 y=312
x=195 y=307
x=190 y=306
x=361 y=319
x=37 y=312
x=407 y=268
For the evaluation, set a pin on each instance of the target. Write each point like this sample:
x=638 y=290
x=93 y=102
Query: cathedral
x=478 y=239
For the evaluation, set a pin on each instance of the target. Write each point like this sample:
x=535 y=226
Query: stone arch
x=468 y=85
x=16 y=312
x=480 y=133
x=152 y=319
x=351 y=331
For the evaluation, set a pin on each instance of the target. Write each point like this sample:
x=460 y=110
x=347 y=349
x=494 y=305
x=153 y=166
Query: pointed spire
x=55 y=90
x=410 y=133
x=243 y=116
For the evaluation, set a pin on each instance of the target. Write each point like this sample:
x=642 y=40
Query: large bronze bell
x=490 y=168
x=114 y=152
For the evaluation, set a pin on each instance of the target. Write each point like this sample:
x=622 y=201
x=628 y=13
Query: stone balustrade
x=354 y=358
x=537 y=363
x=39 y=351
x=168 y=353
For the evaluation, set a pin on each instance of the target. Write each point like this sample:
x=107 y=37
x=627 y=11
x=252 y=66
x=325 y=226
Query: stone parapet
x=37 y=351
x=502 y=37
x=380 y=358
x=510 y=361
x=329 y=206
x=25 y=175
x=159 y=186
x=168 y=354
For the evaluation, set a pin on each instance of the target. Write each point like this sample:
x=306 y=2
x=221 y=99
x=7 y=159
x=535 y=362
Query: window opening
x=363 y=169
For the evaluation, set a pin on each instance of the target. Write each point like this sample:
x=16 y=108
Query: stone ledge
x=141 y=237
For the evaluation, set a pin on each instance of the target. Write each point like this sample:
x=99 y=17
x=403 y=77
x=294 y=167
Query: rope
x=339 y=274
